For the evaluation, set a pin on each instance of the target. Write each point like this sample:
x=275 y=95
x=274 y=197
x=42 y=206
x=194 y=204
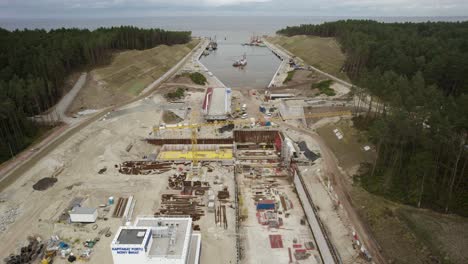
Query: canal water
x=230 y=32
x=261 y=63
x=260 y=68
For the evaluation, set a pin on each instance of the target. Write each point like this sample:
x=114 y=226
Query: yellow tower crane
x=193 y=138
x=194 y=126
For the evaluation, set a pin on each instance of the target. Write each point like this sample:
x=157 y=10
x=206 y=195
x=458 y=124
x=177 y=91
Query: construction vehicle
x=49 y=257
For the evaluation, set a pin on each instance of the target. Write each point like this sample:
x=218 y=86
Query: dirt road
x=341 y=187
x=60 y=109
x=29 y=157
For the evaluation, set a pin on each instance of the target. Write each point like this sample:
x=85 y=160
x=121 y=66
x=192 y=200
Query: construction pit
x=237 y=185
x=258 y=160
x=203 y=152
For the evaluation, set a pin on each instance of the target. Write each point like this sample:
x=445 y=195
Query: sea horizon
x=203 y=22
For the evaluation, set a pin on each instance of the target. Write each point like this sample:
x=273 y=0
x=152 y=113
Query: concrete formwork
x=326 y=248
x=204 y=152
x=240 y=136
x=256 y=136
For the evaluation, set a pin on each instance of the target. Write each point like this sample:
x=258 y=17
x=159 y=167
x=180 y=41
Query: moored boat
x=240 y=63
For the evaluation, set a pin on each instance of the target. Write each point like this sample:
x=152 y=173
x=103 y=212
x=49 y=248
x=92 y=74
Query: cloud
x=103 y=8
x=149 y=3
x=232 y=2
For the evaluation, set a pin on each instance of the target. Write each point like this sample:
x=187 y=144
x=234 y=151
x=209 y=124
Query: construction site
x=239 y=167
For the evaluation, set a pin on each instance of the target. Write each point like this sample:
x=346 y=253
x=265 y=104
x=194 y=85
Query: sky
x=136 y=8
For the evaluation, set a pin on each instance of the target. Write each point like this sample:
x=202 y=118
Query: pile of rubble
x=144 y=167
x=176 y=181
x=34 y=250
x=45 y=251
x=195 y=187
x=8 y=217
x=220 y=216
x=173 y=204
x=223 y=195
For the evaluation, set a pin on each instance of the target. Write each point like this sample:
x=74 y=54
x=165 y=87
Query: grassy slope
x=131 y=71
x=406 y=234
x=323 y=53
x=127 y=75
x=349 y=151
x=410 y=235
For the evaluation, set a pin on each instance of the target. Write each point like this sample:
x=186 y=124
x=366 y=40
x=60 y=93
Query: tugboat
x=240 y=63
x=255 y=41
x=213 y=45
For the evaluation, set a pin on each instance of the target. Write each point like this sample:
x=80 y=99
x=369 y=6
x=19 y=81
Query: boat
x=240 y=63
x=213 y=45
x=255 y=41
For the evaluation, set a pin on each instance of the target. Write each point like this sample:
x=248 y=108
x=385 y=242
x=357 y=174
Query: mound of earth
x=44 y=184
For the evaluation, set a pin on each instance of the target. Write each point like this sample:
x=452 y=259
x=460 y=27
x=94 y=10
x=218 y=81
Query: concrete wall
x=255 y=136
x=324 y=245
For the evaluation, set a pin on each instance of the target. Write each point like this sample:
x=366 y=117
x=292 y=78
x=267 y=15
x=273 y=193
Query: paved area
x=194 y=65
x=331 y=168
x=283 y=69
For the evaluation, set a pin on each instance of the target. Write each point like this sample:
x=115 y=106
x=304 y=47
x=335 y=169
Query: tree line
x=413 y=80
x=35 y=63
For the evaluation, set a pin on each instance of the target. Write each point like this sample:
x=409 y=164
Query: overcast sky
x=136 y=8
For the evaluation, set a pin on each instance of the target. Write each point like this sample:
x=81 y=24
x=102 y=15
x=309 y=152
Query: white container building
x=83 y=215
x=165 y=240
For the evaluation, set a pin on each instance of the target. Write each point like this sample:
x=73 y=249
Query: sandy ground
x=101 y=144
x=337 y=221
x=301 y=86
x=323 y=53
x=127 y=75
x=341 y=182
x=255 y=236
x=95 y=95
x=219 y=244
x=77 y=160
x=332 y=215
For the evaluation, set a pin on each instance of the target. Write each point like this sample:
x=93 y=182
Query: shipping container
x=83 y=215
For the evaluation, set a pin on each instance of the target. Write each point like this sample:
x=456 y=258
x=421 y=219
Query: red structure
x=207 y=100
x=276 y=241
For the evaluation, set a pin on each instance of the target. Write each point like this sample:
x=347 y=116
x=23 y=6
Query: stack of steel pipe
x=28 y=253
x=144 y=167
x=120 y=207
